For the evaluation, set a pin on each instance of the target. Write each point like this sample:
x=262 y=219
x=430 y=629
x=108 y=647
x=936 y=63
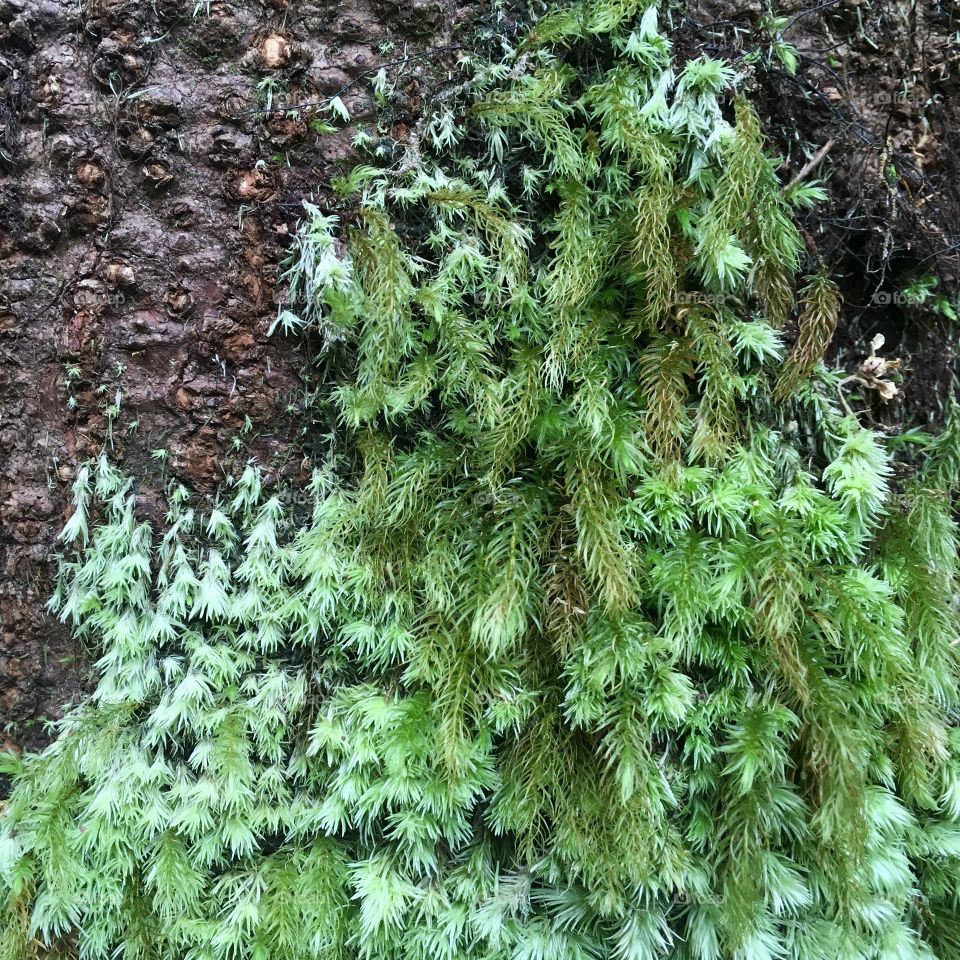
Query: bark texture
x=147 y=198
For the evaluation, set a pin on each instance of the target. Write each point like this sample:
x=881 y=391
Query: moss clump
x=607 y=635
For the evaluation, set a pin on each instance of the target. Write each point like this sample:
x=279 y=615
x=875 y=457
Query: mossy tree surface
x=607 y=634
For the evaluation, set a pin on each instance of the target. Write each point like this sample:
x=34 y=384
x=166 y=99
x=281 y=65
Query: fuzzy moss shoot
x=608 y=635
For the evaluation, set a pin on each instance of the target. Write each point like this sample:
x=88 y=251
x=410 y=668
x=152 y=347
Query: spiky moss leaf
x=819 y=311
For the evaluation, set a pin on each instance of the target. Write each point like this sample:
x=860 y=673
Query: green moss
x=607 y=635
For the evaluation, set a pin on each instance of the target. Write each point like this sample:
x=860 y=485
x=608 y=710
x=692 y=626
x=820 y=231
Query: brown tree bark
x=147 y=200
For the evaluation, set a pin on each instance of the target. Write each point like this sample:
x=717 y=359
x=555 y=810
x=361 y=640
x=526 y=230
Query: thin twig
x=810 y=165
x=806 y=13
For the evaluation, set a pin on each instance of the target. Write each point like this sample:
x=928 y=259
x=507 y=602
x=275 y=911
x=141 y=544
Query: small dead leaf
x=875 y=368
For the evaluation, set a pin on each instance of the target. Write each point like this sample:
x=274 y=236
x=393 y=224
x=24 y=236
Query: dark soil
x=879 y=82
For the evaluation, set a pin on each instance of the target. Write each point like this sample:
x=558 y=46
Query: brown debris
x=274 y=51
